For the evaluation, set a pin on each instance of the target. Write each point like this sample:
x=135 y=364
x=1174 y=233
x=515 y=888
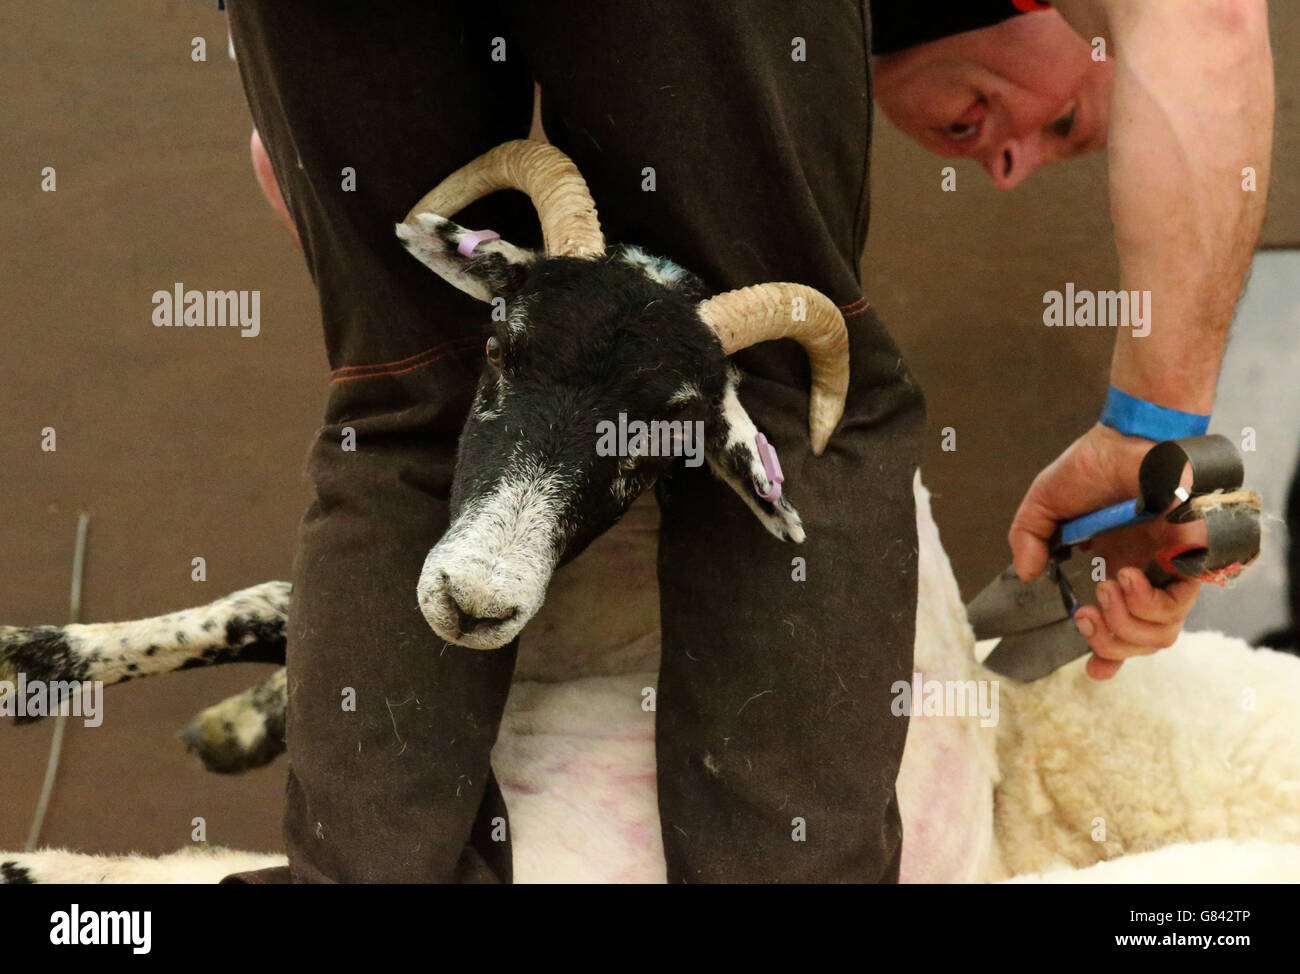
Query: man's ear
x=732 y=451
x=482 y=268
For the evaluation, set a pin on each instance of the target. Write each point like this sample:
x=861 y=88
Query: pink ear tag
x=771 y=467
x=471 y=240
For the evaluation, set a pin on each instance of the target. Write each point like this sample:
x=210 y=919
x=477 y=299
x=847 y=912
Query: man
x=1184 y=99
x=755 y=118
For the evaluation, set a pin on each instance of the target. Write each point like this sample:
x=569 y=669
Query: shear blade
x=1008 y=605
x=1032 y=655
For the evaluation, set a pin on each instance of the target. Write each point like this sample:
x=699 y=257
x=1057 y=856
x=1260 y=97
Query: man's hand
x=1133 y=618
x=266 y=181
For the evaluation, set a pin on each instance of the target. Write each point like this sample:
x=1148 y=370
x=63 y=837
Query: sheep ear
x=484 y=267
x=731 y=447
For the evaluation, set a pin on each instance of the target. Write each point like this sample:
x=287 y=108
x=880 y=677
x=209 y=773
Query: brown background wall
x=185 y=444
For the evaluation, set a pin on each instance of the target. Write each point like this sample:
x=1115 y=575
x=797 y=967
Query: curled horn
x=765 y=312
x=549 y=177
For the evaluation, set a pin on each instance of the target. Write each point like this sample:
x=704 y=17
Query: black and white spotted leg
x=244 y=627
x=198 y=864
x=733 y=458
x=242 y=732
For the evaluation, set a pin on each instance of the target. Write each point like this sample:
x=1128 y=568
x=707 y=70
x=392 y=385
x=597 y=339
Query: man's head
x=1014 y=96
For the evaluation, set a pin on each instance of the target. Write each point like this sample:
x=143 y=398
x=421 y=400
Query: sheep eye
x=493 y=352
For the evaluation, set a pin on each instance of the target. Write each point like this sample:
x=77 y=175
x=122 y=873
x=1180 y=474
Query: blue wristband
x=1137 y=417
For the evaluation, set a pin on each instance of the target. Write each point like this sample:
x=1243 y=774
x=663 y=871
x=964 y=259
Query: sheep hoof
x=221 y=747
x=243 y=732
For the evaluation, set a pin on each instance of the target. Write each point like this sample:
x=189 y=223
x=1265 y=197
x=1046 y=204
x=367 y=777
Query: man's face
x=1013 y=97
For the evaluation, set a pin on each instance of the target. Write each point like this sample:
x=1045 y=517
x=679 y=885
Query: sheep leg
x=200 y=864
x=245 y=626
x=242 y=732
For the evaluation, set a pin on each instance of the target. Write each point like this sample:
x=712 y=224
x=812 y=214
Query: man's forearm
x=1192 y=108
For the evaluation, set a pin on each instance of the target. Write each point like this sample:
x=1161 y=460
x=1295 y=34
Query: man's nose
x=1010 y=164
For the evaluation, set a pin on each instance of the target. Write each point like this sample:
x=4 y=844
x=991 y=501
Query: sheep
x=1191 y=784
x=530 y=494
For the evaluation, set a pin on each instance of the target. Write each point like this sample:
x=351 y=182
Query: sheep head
x=606 y=366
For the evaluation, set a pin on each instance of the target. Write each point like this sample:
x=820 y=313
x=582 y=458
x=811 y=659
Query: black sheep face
x=552 y=453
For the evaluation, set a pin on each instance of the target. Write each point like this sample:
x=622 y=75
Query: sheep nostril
x=467 y=622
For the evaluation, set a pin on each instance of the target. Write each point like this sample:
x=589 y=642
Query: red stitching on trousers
x=403 y=361
x=850 y=309
x=443 y=350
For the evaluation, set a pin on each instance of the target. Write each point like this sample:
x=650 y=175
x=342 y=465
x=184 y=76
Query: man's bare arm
x=1192 y=107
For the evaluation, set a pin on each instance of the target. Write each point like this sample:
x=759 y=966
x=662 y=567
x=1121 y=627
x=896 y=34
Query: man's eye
x=1063 y=126
x=960 y=132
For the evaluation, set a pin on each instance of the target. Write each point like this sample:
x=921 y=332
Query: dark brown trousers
x=777 y=751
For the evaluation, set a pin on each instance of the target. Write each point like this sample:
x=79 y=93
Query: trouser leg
x=777 y=748
x=397 y=787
